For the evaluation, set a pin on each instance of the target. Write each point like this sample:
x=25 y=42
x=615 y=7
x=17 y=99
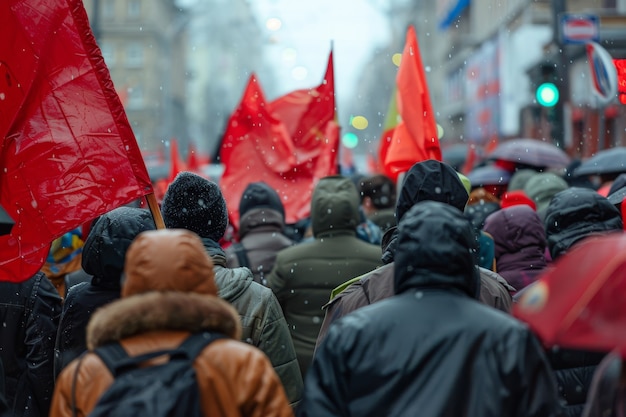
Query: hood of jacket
x=109 y=238
x=433 y=181
x=435 y=249
x=519 y=236
x=576 y=213
x=334 y=206
x=426 y=181
x=266 y=219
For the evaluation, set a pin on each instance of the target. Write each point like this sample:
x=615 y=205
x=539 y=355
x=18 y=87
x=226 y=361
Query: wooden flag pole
x=156 y=212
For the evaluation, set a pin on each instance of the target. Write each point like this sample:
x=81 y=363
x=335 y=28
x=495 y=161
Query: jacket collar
x=161 y=311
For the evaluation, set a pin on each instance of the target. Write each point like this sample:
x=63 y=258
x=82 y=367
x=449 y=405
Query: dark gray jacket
x=304 y=275
x=261 y=237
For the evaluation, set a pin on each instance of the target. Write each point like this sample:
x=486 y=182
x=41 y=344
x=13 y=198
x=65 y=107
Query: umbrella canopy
x=454 y=155
x=6 y=222
x=608 y=161
x=489 y=175
x=580 y=302
x=531 y=152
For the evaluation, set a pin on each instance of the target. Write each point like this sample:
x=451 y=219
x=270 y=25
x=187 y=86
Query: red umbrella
x=580 y=302
x=531 y=152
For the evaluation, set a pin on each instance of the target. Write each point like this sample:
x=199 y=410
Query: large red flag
x=289 y=143
x=415 y=137
x=68 y=152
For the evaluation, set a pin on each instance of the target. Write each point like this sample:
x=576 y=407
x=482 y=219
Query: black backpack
x=169 y=389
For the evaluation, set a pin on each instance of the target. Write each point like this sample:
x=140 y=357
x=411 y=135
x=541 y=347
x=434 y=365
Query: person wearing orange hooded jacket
x=170 y=293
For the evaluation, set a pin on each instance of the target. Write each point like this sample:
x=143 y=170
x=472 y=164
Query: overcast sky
x=301 y=45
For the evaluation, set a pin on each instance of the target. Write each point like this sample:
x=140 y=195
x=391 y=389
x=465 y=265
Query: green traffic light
x=547 y=94
x=350 y=140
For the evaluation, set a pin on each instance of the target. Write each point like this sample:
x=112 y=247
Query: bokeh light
x=439 y=131
x=396 y=58
x=350 y=140
x=359 y=122
x=273 y=23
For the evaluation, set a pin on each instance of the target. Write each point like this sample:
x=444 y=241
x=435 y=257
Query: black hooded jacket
x=574 y=214
x=432 y=349
x=29 y=312
x=103 y=258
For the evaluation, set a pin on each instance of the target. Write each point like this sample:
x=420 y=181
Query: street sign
x=579 y=28
x=603 y=72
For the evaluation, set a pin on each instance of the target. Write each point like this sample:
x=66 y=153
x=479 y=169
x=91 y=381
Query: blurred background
x=180 y=67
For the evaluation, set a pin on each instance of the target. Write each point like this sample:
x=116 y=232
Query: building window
x=135 y=97
x=134 y=9
x=108 y=53
x=134 y=55
x=108 y=9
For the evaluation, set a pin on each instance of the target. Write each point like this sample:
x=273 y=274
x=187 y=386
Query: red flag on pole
x=68 y=153
x=289 y=143
x=176 y=163
x=415 y=137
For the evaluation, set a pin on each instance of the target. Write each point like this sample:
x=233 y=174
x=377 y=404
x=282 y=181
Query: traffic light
x=547 y=92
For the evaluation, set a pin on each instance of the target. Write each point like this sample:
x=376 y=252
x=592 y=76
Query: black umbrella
x=608 y=161
x=6 y=222
x=531 y=152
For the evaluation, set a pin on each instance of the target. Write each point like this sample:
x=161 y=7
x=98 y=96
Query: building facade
x=494 y=55
x=143 y=43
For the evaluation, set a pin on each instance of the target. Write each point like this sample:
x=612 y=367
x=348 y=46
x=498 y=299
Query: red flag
x=176 y=164
x=415 y=137
x=68 y=153
x=193 y=163
x=470 y=159
x=289 y=143
x=491 y=145
x=196 y=160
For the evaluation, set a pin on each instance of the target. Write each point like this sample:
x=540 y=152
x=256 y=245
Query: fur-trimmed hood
x=151 y=311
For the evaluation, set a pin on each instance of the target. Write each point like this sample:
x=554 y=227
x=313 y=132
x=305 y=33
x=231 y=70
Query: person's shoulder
x=300 y=250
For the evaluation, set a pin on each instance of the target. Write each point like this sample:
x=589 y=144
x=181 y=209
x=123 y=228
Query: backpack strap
x=117 y=360
x=194 y=344
x=241 y=253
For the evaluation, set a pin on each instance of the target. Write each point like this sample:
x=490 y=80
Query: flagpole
x=155 y=210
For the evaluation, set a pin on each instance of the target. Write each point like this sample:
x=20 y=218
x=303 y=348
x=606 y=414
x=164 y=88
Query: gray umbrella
x=608 y=161
x=6 y=222
x=531 y=152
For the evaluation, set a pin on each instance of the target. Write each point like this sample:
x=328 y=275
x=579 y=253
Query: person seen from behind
x=432 y=349
x=194 y=203
x=261 y=225
x=169 y=293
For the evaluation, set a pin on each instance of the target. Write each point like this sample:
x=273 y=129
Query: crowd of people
x=391 y=300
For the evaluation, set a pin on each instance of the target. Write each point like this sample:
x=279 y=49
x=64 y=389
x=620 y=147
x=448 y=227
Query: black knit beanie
x=260 y=195
x=194 y=203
